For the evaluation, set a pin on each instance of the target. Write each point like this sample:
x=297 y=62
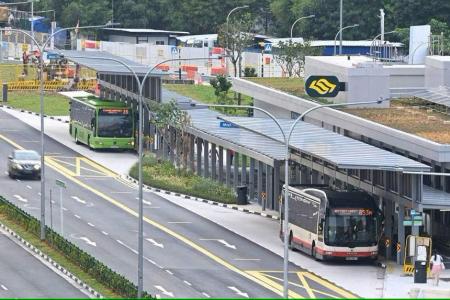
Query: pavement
x=24 y=276
x=257 y=236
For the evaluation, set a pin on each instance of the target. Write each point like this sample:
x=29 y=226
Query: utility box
x=5 y=92
x=420 y=271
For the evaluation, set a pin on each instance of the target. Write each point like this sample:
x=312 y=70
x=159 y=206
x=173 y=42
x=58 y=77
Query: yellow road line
x=11 y=142
x=305 y=284
x=178 y=236
x=104 y=170
x=264 y=278
x=330 y=286
x=77 y=166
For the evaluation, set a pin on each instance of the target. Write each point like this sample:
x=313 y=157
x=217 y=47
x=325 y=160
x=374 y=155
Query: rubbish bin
x=5 y=91
x=420 y=271
x=241 y=192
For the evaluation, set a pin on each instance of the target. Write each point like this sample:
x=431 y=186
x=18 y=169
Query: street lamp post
x=286 y=138
x=41 y=49
x=415 y=49
x=340 y=32
x=372 y=44
x=301 y=18
x=228 y=28
x=341 y=10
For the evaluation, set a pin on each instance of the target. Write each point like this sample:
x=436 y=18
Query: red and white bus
x=330 y=224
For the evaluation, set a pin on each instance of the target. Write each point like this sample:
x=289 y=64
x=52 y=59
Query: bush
x=250 y=72
x=162 y=174
x=85 y=261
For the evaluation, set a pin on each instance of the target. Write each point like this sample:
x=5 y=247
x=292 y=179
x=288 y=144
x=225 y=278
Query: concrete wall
x=406 y=76
x=437 y=71
x=365 y=80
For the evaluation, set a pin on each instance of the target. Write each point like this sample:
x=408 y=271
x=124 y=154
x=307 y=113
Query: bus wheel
x=89 y=143
x=314 y=252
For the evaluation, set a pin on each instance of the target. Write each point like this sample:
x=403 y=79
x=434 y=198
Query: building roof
x=328 y=43
x=145 y=31
x=341 y=151
x=102 y=62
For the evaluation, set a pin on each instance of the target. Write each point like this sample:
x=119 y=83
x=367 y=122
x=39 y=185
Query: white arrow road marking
x=90 y=224
x=164 y=291
x=223 y=242
x=85 y=239
x=78 y=199
x=104 y=232
x=90 y=204
x=160 y=245
x=238 y=292
x=4 y=287
x=206 y=295
x=20 y=198
x=29 y=187
x=88 y=241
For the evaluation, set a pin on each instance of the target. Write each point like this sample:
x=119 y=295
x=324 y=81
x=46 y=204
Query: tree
x=235 y=37
x=221 y=87
x=166 y=117
x=291 y=56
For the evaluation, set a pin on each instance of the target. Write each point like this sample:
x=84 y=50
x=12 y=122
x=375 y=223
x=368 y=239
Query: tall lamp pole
x=228 y=28
x=341 y=9
x=340 y=32
x=301 y=18
x=41 y=49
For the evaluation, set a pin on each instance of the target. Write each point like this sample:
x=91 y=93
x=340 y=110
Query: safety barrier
x=50 y=85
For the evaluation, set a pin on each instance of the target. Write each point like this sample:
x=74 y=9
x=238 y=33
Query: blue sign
x=53 y=56
x=224 y=124
x=174 y=50
x=268 y=47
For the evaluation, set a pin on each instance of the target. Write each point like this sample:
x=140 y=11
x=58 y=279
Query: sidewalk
x=398 y=285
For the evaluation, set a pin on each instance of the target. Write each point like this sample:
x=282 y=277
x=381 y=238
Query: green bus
x=101 y=124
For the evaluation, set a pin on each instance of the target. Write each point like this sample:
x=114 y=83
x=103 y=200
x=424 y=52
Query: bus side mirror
x=322 y=221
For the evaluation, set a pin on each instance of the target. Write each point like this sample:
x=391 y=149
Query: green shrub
x=162 y=174
x=87 y=263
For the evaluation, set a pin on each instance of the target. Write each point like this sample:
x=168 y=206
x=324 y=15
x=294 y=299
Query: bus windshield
x=351 y=227
x=114 y=122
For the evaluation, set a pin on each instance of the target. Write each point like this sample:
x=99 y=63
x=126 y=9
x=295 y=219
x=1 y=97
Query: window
x=159 y=42
x=141 y=39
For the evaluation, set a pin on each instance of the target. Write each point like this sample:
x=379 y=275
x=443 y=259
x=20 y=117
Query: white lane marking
x=168 y=271
x=122 y=192
x=179 y=222
x=78 y=199
x=30 y=141
x=53 y=201
x=65 y=209
x=152 y=262
x=4 y=287
x=30 y=207
x=29 y=187
x=20 y=198
x=77 y=216
x=238 y=292
x=126 y=246
x=104 y=232
x=40 y=194
x=155 y=243
x=206 y=295
x=18 y=180
x=187 y=282
x=146 y=202
x=223 y=242
x=90 y=224
x=246 y=259
x=164 y=291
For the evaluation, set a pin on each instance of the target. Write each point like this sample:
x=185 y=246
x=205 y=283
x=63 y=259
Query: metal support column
x=205 y=158
x=213 y=162
x=172 y=144
x=244 y=170
x=388 y=208
x=269 y=188
x=192 y=153
x=251 y=180
x=221 y=179
x=259 y=180
x=236 y=169
x=401 y=233
x=276 y=184
x=199 y=156
x=228 y=168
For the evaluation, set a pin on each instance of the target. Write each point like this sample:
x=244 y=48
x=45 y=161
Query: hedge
x=89 y=264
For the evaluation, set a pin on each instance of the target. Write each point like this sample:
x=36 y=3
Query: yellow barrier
x=50 y=85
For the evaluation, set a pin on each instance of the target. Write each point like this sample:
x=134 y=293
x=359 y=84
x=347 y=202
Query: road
x=24 y=276
x=185 y=255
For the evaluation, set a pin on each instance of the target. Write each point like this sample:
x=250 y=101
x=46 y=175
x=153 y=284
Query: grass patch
x=162 y=174
x=54 y=104
x=410 y=115
x=294 y=86
x=205 y=94
x=57 y=256
x=12 y=72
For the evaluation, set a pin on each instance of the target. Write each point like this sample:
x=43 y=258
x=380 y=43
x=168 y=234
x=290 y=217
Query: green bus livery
x=101 y=124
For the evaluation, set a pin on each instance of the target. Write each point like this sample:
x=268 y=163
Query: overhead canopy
x=106 y=63
x=341 y=151
x=435 y=199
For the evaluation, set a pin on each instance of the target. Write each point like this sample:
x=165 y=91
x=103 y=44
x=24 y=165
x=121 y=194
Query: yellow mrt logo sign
x=323 y=86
